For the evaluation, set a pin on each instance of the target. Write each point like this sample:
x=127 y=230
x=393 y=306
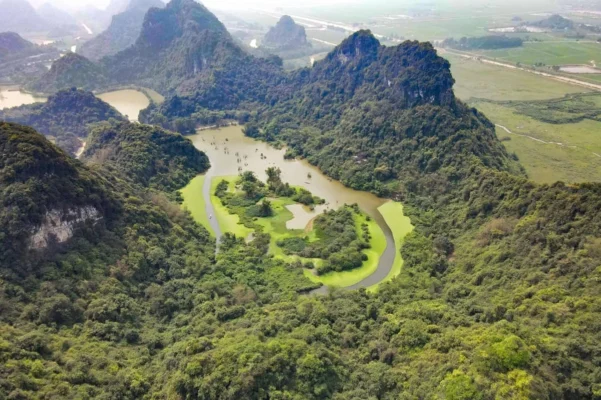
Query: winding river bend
x=228 y=150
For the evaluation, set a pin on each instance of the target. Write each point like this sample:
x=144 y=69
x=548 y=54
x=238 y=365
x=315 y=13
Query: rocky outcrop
x=125 y=28
x=59 y=226
x=286 y=35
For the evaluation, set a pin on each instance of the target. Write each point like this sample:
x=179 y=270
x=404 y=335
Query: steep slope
x=150 y=156
x=123 y=32
x=11 y=42
x=184 y=49
x=66 y=116
x=22 y=61
x=46 y=198
x=286 y=35
x=385 y=109
x=19 y=16
x=71 y=70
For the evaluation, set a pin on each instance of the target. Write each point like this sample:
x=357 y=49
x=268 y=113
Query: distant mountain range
x=123 y=32
x=22 y=61
x=20 y=16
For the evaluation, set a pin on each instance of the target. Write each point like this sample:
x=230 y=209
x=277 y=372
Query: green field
x=475 y=79
x=401 y=226
x=549 y=53
x=195 y=203
x=575 y=161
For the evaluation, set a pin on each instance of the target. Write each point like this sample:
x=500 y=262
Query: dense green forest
x=150 y=156
x=71 y=70
x=66 y=116
x=498 y=297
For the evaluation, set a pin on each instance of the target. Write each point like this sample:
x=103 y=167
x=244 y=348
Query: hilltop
x=150 y=156
x=71 y=70
x=179 y=50
x=54 y=16
x=11 y=44
x=123 y=31
x=286 y=35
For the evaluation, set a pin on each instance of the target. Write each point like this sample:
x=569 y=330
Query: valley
x=231 y=153
x=293 y=202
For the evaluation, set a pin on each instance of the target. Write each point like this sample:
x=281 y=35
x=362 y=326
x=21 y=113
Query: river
x=10 y=96
x=128 y=102
x=230 y=145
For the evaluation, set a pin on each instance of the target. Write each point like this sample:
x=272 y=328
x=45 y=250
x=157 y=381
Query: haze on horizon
x=243 y=4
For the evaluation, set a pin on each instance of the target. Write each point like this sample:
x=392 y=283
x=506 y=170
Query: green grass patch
x=574 y=161
x=549 y=53
x=195 y=203
x=227 y=222
x=475 y=79
x=401 y=226
x=349 y=278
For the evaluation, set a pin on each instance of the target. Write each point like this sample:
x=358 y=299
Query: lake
x=230 y=152
x=128 y=102
x=12 y=97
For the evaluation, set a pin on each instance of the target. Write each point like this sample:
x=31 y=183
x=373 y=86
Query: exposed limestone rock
x=59 y=226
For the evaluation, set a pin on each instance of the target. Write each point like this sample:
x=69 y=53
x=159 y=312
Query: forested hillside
x=490 y=272
x=499 y=293
x=71 y=70
x=151 y=156
x=66 y=117
x=122 y=33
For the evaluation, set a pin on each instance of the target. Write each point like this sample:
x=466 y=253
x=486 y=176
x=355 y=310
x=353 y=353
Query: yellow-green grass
x=548 y=163
x=401 y=226
x=276 y=227
x=349 y=278
x=549 y=53
x=227 y=222
x=475 y=79
x=194 y=202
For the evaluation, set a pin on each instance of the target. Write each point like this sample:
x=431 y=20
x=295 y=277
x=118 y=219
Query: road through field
x=560 y=78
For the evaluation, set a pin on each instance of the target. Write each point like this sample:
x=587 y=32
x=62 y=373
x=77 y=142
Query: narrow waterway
x=230 y=152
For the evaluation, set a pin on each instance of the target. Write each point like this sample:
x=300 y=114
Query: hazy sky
x=74 y=4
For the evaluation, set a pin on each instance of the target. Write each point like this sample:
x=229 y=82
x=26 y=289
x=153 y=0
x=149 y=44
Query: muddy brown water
x=231 y=152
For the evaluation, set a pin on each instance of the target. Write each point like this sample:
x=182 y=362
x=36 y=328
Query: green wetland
x=231 y=153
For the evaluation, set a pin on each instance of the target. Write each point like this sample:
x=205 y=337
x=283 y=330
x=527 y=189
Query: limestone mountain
x=20 y=16
x=72 y=70
x=148 y=155
x=64 y=199
x=65 y=117
x=123 y=32
x=117 y=6
x=12 y=45
x=555 y=22
x=22 y=61
x=286 y=35
x=184 y=49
